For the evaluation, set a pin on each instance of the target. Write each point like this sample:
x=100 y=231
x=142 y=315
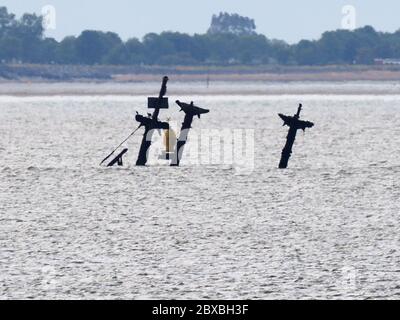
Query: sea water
x=327 y=227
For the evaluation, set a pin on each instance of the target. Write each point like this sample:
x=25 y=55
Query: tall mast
x=190 y=112
x=294 y=124
x=151 y=124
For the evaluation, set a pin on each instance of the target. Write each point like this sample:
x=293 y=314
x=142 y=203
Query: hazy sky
x=289 y=20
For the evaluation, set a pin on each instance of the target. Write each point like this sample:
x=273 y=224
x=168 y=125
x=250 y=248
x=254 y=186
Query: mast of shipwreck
x=190 y=111
x=151 y=122
x=294 y=123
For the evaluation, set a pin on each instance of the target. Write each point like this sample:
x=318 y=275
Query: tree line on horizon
x=230 y=40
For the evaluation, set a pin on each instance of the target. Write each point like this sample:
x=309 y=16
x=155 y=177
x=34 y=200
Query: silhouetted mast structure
x=118 y=159
x=190 y=111
x=294 y=124
x=152 y=123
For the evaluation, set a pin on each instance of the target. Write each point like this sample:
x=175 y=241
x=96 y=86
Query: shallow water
x=328 y=227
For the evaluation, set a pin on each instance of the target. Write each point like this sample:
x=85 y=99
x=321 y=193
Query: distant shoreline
x=192 y=89
x=52 y=80
x=80 y=73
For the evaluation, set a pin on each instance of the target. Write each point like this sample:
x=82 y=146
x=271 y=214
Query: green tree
x=232 y=23
x=29 y=30
x=93 y=46
x=156 y=46
x=10 y=48
x=66 y=52
x=47 y=51
x=306 y=53
x=281 y=52
x=7 y=21
x=135 y=51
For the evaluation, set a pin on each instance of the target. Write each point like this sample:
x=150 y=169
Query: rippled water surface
x=328 y=227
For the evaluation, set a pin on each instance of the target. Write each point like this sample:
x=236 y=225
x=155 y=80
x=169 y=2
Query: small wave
x=344 y=172
x=45 y=169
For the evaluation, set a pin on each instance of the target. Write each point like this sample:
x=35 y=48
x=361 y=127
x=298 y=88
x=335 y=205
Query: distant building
x=387 y=61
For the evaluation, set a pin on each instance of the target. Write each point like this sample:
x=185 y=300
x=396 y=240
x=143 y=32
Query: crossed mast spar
x=294 y=123
x=190 y=111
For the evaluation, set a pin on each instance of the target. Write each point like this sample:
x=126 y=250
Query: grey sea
x=327 y=227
